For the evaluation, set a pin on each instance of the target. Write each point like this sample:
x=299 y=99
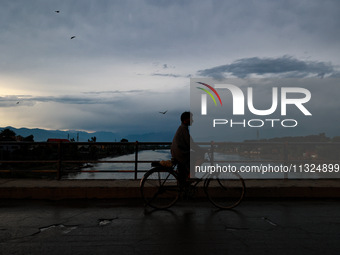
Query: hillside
x=41 y=135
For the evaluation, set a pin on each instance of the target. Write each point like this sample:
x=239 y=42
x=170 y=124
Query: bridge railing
x=66 y=159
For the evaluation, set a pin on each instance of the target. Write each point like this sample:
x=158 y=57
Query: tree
x=7 y=135
x=93 y=139
x=29 y=138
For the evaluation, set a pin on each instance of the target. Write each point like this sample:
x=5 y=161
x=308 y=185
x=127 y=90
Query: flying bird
x=18 y=102
x=72 y=37
x=56 y=11
x=163 y=112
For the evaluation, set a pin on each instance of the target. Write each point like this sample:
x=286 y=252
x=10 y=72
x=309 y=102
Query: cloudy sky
x=130 y=60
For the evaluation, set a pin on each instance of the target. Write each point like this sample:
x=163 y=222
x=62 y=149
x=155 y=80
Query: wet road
x=190 y=227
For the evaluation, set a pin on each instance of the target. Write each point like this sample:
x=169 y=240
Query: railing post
x=59 y=161
x=212 y=153
x=136 y=159
x=285 y=158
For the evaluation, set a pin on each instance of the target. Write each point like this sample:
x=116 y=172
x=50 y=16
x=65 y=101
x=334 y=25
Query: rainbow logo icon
x=209 y=93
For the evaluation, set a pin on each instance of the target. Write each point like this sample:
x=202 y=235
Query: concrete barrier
x=103 y=189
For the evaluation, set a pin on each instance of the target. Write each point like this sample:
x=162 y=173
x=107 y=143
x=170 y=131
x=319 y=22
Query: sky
x=132 y=59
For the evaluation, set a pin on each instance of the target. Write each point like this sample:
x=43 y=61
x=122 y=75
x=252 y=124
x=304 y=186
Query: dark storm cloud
x=286 y=65
x=35 y=34
x=335 y=75
x=86 y=98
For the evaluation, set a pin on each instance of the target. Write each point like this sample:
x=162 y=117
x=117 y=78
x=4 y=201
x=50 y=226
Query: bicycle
x=161 y=187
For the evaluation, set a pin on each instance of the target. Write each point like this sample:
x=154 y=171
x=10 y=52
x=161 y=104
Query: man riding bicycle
x=181 y=149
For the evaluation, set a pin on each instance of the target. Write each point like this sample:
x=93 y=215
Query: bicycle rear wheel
x=160 y=188
x=225 y=193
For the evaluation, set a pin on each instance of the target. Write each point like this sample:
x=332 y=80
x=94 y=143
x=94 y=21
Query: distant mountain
x=41 y=135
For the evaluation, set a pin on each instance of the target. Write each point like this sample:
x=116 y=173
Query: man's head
x=186 y=118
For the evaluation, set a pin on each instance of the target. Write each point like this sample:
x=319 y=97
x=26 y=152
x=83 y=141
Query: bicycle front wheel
x=225 y=193
x=160 y=188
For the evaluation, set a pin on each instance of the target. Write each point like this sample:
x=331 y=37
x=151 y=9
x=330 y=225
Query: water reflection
x=147 y=155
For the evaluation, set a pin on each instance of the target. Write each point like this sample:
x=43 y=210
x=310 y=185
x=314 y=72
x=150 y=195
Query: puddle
x=104 y=222
x=64 y=229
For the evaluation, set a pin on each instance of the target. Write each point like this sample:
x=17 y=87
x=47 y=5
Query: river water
x=156 y=155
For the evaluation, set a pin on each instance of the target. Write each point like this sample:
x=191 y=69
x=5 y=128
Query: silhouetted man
x=180 y=148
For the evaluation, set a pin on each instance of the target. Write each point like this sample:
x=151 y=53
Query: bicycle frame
x=161 y=187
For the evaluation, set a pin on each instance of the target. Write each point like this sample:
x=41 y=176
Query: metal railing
x=12 y=156
x=54 y=157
